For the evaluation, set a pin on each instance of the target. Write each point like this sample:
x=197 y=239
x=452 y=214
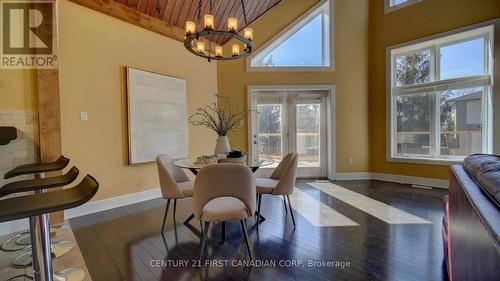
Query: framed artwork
x=157 y=116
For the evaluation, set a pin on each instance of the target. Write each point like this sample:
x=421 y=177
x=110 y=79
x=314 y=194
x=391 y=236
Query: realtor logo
x=28 y=35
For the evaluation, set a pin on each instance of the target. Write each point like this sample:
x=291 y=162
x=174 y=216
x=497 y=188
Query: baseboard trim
x=111 y=203
x=394 y=178
x=353 y=176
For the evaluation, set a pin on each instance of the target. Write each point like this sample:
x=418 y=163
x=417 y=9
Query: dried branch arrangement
x=219 y=116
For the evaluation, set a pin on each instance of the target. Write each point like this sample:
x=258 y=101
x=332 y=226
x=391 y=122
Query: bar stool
x=37 y=207
x=7 y=134
x=37 y=185
x=37 y=170
x=59 y=248
x=40 y=168
x=22 y=240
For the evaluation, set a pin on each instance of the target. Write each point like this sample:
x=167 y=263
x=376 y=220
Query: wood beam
x=49 y=118
x=122 y=12
x=49 y=122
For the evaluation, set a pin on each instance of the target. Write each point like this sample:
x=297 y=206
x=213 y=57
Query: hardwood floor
x=126 y=244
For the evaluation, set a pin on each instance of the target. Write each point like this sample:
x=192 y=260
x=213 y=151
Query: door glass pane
x=308 y=134
x=413 y=119
x=462 y=59
x=461 y=121
x=413 y=68
x=270 y=131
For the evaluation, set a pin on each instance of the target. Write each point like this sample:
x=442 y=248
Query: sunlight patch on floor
x=368 y=205
x=317 y=213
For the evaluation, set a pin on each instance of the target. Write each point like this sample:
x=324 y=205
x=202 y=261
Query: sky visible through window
x=397 y=2
x=462 y=59
x=303 y=48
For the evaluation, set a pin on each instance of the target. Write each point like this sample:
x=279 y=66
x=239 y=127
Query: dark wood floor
x=122 y=244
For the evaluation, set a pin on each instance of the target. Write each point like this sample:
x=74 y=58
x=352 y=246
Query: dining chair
x=224 y=192
x=281 y=182
x=174 y=183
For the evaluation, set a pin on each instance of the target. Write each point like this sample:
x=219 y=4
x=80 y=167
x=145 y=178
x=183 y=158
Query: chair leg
x=189 y=219
x=284 y=202
x=245 y=233
x=258 y=209
x=204 y=240
x=175 y=208
x=256 y=200
x=291 y=211
x=165 y=215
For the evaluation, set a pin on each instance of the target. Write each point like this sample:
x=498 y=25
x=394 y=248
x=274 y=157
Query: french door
x=291 y=121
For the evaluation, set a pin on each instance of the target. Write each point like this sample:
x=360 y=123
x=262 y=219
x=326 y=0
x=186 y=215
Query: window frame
x=389 y=7
x=278 y=39
x=434 y=44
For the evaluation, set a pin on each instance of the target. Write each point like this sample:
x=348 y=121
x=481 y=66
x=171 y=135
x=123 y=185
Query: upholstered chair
x=174 y=183
x=281 y=182
x=224 y=192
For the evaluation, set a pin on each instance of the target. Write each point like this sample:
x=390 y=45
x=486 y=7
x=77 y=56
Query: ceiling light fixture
x=195 y=40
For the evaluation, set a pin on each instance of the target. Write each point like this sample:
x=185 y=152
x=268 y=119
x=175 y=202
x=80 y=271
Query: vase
x=222 y=146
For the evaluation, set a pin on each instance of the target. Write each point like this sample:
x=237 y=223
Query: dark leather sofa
x=471 y=226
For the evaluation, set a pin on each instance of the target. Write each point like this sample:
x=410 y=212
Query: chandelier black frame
x=191 y=37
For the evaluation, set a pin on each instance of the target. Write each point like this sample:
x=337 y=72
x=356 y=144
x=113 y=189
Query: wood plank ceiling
x=177 y=12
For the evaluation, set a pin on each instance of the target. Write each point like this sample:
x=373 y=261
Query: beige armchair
x=174 y=183
x=224 y=192
x=281 y=182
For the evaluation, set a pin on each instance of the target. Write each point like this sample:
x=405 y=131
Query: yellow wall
x=93 y=50
x=18 y=89
x=416 y=21
x=350 y=76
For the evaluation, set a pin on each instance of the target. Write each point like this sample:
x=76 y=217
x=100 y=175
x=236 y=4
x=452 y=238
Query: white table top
x=188 y=164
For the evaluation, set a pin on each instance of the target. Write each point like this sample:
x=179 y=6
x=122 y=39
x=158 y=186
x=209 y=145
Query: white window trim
x=389 y=8
x=427 y=42
x=289 y=30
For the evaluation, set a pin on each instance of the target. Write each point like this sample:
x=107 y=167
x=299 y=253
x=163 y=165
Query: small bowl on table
x=234 y=157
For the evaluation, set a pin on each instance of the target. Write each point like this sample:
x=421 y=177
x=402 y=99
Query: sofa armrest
x=473 y=225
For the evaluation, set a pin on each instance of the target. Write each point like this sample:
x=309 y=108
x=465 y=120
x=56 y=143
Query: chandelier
x=195 y=40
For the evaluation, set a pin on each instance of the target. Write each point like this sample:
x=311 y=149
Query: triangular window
x=303 y=44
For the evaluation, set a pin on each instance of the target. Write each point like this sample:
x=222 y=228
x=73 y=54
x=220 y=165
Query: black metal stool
x=37 y=207
x=22 y=240
x=38 y=169
x=37 y=185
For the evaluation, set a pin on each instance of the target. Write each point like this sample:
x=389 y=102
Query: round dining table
x=195 y=167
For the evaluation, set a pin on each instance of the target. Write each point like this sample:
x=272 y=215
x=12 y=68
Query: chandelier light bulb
x=218 y=51
x=208 y=22
x=190 y=27
x=232 y=24
x=200 y=46
x=248 y=33
x=236 y=50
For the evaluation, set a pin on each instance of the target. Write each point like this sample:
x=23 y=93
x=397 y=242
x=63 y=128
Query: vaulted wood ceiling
x=176 y=12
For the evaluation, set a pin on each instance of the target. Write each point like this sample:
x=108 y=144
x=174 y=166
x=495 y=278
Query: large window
x=305 y=44
x=440 y=98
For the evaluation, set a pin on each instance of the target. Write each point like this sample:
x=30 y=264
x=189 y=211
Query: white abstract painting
x=157 y=116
